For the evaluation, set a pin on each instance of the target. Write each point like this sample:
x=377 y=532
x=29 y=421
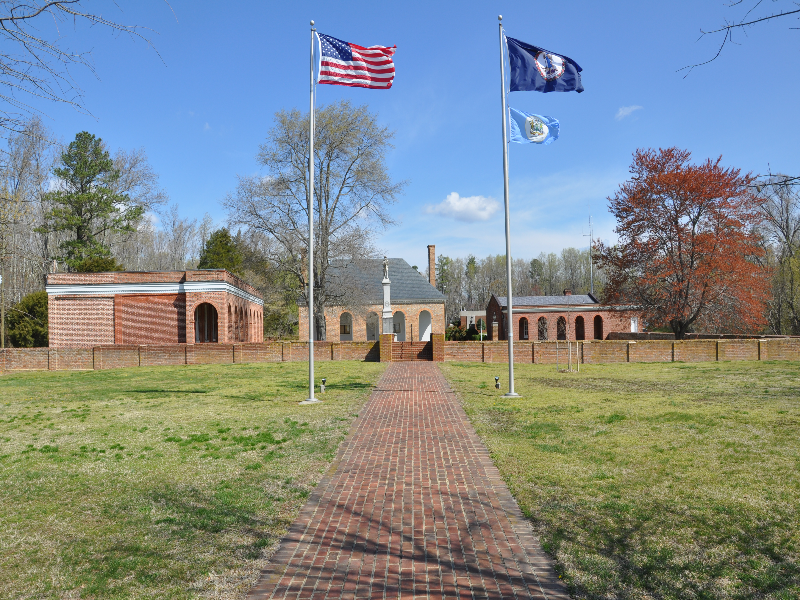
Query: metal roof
x=407 y=284
x=572 y=300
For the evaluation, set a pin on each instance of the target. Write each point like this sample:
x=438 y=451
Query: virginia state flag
x=526 y=128
x=539 y=70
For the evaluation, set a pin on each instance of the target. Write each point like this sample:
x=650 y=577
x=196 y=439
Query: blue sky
x=228 y=67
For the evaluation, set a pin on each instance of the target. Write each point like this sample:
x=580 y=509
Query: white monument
x=387 y=303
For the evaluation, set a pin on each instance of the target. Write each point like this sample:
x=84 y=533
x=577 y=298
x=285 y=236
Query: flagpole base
x=511 y=395
x=310 y=401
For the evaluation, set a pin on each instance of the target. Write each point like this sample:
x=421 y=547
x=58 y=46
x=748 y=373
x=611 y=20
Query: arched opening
x=561 y=328
x=580 y=329
x=373 y=326
x=230 y=324
x=346 y=327
x=523 y=328
x=205 y=323
x=598 y=327
x=399 y=326
x=541 y=326
x=424 y=326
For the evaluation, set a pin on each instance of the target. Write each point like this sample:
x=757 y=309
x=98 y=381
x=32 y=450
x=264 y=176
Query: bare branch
x=729 y=28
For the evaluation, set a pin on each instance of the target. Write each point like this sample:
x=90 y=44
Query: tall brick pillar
x=432 y=264
x=438 y=347
x=386 y=347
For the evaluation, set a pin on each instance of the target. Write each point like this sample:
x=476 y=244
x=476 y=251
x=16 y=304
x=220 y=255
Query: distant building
x=568 y=317
x=145 y=308
x=470 y=318
x=417 y=306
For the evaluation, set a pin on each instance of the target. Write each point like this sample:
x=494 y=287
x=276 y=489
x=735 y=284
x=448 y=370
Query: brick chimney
x=568 y=292
x=432 y=264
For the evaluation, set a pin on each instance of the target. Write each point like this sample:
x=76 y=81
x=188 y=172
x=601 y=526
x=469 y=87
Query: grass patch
x=653 y=481
x=161 y=482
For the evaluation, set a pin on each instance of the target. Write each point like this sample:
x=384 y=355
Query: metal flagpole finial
x=499 y=17
x=312 y=22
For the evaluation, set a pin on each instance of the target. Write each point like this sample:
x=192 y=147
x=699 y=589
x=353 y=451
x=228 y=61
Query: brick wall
x=150 y=319
x=737 y=350
x=206 y=354
x=117 y=356
x=80 y=321
x=650 y=351
x=605 y=352
x=786 y=349
x=173 y=354
x=695 y=351
x=71 y=359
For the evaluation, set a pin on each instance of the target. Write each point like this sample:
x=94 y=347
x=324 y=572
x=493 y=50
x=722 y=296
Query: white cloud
x=625 y=111
x=207 y=127
x=469 y=208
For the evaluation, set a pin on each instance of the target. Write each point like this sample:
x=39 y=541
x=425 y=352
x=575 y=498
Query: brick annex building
x=417 y=306
x=148 y=308
x=567 y=317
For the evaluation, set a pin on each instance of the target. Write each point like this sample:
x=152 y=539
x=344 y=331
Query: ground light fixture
x=497 y=383
x=322 y=387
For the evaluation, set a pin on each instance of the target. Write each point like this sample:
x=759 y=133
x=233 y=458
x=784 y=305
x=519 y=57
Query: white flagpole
x=510 y=317
x=311 y=398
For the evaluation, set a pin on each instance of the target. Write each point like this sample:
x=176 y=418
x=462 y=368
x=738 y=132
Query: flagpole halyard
x=509 y=319
x=311 y=398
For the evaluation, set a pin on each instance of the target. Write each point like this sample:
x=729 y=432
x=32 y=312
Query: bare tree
x=756 y=13
x=781 y=228
x=353 y=190
x=34 y=63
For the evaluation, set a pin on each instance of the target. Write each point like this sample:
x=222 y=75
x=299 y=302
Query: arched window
x=373 y=326
x=424 y=326
x=346 y=327
x=598 y=327
x=399 y=326
x=523 y=328
x=205 y=323
x=561 y=328
x=580 y=329
x=541 y=326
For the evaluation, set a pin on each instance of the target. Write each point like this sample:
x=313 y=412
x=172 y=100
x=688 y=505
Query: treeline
x=468 y=283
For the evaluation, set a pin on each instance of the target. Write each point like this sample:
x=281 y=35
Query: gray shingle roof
x=575 y=299
x=407 y=284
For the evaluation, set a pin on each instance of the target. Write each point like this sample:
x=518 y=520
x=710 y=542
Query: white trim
x=112 y=289
x=578 y=308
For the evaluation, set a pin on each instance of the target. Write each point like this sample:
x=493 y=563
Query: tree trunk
x=679 y=328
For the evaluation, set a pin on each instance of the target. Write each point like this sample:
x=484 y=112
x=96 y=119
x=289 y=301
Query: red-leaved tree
x=687 y=251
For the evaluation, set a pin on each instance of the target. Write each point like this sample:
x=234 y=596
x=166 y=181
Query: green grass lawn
x=163 y=482
x=652 y=481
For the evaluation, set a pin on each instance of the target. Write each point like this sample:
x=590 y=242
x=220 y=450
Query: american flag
x=342 y=63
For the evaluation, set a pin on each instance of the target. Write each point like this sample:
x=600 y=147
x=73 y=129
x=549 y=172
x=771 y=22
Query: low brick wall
x=620 y=351
x=650 y=351
x=589 y=352
x=115 y=357
x=119 y=356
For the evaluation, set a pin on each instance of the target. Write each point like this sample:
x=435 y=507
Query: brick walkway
x=414 y=509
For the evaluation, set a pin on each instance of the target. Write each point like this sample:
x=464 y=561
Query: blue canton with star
x=335 y=48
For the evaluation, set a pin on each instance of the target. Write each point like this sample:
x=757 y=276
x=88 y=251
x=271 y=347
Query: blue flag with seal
x=526 y=128
x=539 y=70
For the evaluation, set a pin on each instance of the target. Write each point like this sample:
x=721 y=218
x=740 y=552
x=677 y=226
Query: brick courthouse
x=147 y=308
x=569 y=317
